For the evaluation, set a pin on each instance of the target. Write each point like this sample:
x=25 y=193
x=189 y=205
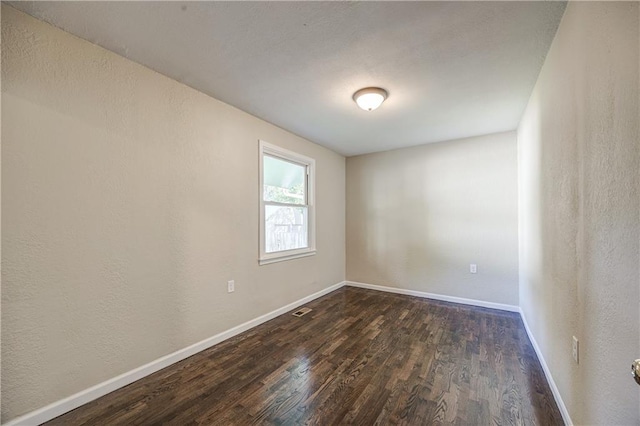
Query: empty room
x=319 y=212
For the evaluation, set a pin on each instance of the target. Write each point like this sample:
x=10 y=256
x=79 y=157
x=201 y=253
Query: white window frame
x=310 y=164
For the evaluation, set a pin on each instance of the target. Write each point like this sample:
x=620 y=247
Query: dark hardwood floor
x=360 y=357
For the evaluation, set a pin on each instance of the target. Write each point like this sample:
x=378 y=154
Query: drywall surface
x=417 y=217
x=128 y=202
x=443 y=63
x=579 y=157
x=0 y=218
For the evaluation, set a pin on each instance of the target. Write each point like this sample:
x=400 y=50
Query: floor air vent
x=300 y=312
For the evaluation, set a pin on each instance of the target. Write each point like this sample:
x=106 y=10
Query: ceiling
x=452 y=69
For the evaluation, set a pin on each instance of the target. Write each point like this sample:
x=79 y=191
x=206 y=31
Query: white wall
x=0 y=223
x=128 y=202
x=579 y=162
x=417 y=217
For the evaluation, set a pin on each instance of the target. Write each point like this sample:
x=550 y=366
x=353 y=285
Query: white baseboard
x=481 y=303
x=72 y=402
x=453 y=299
x=547 y=373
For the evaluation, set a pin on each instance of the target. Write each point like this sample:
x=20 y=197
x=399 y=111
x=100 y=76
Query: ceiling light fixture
x=370 y=98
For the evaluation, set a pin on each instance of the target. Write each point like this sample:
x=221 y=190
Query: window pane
x=284 y=182
x=286 y=228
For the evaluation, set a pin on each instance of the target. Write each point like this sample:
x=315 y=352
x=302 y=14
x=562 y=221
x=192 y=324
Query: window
x=287 y=215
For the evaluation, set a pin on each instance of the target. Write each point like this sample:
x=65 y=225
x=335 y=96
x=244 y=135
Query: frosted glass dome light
x=370 y=98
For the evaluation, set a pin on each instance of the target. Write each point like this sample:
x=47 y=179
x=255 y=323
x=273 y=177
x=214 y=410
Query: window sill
x=268 y=260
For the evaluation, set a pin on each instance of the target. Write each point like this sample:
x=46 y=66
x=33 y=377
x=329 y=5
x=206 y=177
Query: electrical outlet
x=575 y=348
x=473 y=268
x=231 y=286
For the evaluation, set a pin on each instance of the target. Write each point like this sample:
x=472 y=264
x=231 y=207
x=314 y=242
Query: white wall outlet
x=473 y=268
x=575 y=349
x=231 y=286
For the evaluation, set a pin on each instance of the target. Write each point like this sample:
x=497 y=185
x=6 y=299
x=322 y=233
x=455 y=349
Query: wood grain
x=360 y=357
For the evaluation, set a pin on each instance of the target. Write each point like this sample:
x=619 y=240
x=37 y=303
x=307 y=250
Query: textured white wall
x=0 y=221
x=128 y=202
x=579 y=173
x=417 y=217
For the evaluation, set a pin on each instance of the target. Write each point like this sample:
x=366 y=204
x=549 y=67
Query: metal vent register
x=300 y=312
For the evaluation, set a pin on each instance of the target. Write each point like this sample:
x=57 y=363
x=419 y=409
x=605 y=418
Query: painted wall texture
x=128 y=202
x=579 y=166
x=417 y=217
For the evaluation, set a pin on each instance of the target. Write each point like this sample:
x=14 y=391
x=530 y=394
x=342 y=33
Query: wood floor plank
x=359 y=357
